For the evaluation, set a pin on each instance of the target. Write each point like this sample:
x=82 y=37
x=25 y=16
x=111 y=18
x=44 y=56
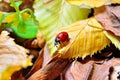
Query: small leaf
x=114 y=39
x=12 y=57
x=54 y=14
x=86 y=38
x=18 y=3
x=31 y=29
x=92 y=3
x=25 y=29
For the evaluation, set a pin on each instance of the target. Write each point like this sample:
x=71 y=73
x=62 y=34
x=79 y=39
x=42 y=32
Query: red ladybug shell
x=63 y=36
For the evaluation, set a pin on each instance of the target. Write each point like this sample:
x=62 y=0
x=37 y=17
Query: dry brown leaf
x=46 y=55
x=31 y=44
x=109 y=17
x=68 y=74
x=102 y=71
x=17 y=75
x=12 y=56
x=37 y=65
x=51 y=70
x=115 y=73
x=79 y=71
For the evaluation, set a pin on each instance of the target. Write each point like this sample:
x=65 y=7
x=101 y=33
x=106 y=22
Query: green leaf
x=55 y=14
x=2 y=18
x=18 y=3
x=30 y=27
x=15 y=5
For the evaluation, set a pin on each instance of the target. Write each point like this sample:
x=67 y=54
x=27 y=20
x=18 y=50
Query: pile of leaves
x=28 y=32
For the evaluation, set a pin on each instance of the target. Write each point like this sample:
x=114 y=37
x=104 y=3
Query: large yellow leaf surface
x=54 y=14
x=86 y=38
x=92 y=3
x=12 y=57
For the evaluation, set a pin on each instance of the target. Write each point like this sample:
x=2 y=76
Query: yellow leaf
x=114 y=39
x=92 y=3
x=13 y=16
x=86 y=38
x=12 y=57
x=54 y=14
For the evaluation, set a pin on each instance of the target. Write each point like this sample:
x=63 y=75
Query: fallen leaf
x=109 y=17
x=12 y=57
x=115 y=72
x=114 y=39
x=102 y=72
x=92 y=3
x=31 y=43
x=40 y=39
x=68 y=75
x=46 y=55
x=17 y=75
x=86 y=38
x=55 y=14
x=79 y=71
x=37 y=65
x=51 y=70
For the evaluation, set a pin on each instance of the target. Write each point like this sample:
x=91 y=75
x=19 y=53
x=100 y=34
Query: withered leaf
x=17 y=75
x=12 y=56
x=37 y=65
x=115 y=73
x=46 y=55
x=79 y=71
x=51 y=70
x=109 y=17
x=102 y=71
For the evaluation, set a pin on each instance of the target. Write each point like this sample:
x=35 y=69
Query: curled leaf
x=51 y=70
x=12 y=57
x=92 y=3
x=86 y=38
x=54 y=14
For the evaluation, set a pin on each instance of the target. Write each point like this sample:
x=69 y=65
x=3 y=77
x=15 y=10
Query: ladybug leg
x=57 y=41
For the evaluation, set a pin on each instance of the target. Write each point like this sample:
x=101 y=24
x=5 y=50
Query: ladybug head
x=61 y=38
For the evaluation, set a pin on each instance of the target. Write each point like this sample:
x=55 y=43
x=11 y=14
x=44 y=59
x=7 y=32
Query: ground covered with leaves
x=30 y=48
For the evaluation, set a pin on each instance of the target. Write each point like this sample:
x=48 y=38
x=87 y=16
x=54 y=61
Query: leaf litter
x=70 y=69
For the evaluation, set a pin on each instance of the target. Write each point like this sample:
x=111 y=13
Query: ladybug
x=61 y=38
